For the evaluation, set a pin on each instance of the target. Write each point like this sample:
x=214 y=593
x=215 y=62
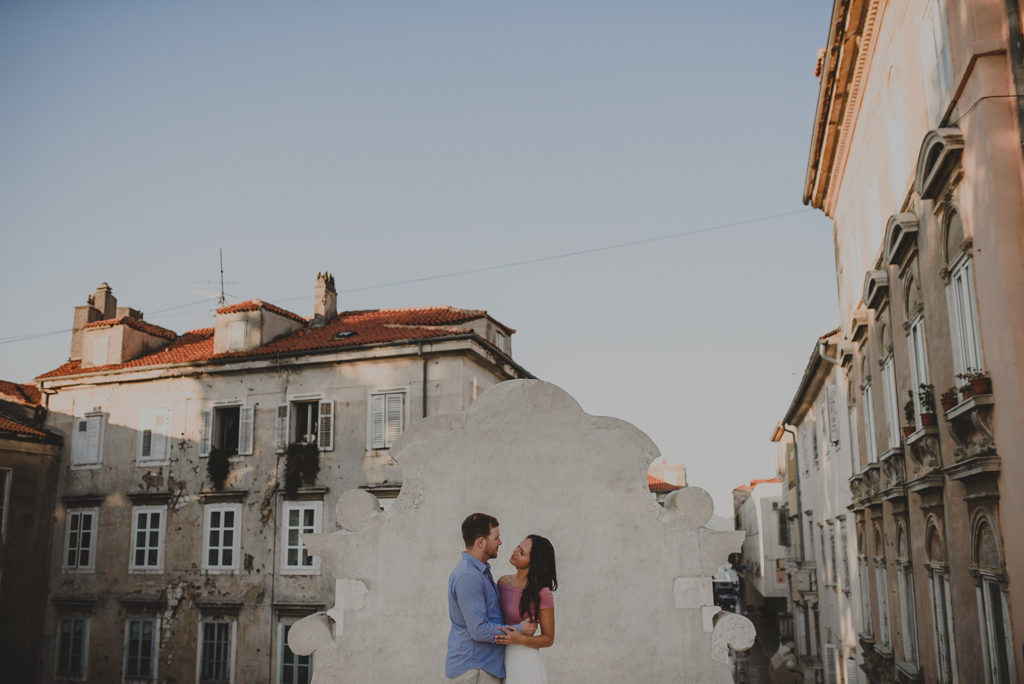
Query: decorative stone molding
x=940 y=155
x=876 y=288
x=970 y=426
x=223 y=496
x=892 y=474
x=900 y=237
x=924 y=458
x=859 y=324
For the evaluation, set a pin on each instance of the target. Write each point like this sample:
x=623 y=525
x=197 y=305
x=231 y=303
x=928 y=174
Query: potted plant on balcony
x=949 y=398
x=978 y=380
x=926 y=396
x=301 y=466
x=217 y=466
x=908 y=413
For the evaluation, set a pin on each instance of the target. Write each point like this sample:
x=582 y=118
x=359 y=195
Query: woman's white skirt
x=524 y=666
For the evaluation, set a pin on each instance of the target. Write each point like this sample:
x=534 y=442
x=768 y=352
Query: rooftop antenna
x=221 y=250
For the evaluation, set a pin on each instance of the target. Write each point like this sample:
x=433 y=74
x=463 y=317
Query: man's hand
x=509 y=635
x=528 y=627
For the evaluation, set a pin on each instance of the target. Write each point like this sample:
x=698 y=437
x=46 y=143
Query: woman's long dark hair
x=541 y=576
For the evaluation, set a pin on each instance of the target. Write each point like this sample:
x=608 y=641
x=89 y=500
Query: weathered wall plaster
x=634 y=601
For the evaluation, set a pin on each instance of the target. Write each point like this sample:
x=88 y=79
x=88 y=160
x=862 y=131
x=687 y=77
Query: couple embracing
x=493 y=634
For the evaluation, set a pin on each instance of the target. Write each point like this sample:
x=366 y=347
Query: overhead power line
x=481 y=269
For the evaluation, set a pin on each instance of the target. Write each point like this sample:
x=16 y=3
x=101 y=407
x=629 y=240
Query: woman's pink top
x=510 y=597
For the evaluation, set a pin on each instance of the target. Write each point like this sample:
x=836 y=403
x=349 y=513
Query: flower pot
x=966 y=392
x=929 y=419
x=908 y=430
x=948 y=404
x=981 y=385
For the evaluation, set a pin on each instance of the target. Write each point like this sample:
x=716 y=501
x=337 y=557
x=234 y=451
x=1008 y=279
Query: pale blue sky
x=387 y=141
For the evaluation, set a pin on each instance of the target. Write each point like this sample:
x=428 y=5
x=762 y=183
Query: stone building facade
x=193 y=463
x=916 y=155
x=28 y=476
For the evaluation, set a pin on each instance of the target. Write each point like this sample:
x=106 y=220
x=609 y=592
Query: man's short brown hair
x=477 y=525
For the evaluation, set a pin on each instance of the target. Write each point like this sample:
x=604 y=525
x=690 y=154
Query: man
x=473 y=607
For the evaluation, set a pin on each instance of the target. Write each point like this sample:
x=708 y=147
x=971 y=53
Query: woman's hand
x=528 y=627
x=509 y=635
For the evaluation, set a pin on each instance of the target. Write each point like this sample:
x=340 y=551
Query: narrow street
x=753 y=666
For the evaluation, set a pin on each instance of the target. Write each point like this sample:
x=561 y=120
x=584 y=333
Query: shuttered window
x=325 y=437
x=154 y=430
x=851 y=670
x=87 y=441
x=227 y=428
x=831 y=664
x=387 y=419
x=281 y=428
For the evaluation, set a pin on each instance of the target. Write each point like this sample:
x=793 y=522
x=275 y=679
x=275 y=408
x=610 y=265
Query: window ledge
x=145 y=571
x=223 y=496
x=300 y=572
x=150 y=498
x=908 y=673
x=307 y=494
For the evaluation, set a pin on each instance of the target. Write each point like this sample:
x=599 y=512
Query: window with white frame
x=140 y=649
x=5 y=494
x=221 y=527
x=501 y=341
x=892 y=406
x=154 y=433
x=884 y=636
x=87 y=442
x=851 y=425
x=308 y=421
x=943 y=619
x=936 y=61
x=831 y=663
x=869 y=422
x=216 y=651
x=387 y=418
x=148 y=538
x=905 y=587
x=833 y=569
x=300 y=517
x=227 y=428
x=994 y=614
x=865 y=596
x=72 y=646
x=845 y=555
x=963 y=315
x=295 y=669
x=918 y=364
x=80 y=539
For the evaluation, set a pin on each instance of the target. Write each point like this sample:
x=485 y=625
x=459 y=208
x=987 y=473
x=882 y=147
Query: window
x=388 y=418
x=305 y=422
x=943 y=612
x=918 y=364
x=236 y=335
x=935 y=60
x=908 y=605
x=228 y=429
x=865 y=597
x=501 y=341
x=300 y=518
x=147 y=538
x=5 y=494
x=72 y=633
x=154 y=429
x=964 y=316
x=832 y=552
x=884 y=636
x=892 y=407
x=995 y=624
x=220 y=533
x=216 y=651
x=845 y=555
x=88 y=440
x=140 y=649
x=295 y=669
x=851 y=669
x=79 y=540
x=869 y=422
x=831 y=664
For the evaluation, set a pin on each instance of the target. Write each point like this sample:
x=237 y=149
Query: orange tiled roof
x=656 y=484
x=136 y=324
x=255 y=304
x=27 y=393
x=10 y=425
x=347 y=329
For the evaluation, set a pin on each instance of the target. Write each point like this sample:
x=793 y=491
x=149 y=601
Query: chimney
x=105 y=301
x=325 y=308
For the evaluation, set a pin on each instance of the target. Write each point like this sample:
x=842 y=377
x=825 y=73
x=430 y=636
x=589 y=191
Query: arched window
x=993 y=608
x=869 y=410
x=882 y=589
x=963 y=310
x=920 y=378
x=905 y=588
x=942 y=607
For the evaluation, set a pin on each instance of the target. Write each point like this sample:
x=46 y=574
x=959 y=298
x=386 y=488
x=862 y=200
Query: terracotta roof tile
x=27 y=394
x=348 y=329
x=136 y=324
x=255 y=304
x=656 y=484
x=10 y=425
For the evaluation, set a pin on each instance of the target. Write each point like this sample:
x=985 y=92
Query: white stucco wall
x=634 y=601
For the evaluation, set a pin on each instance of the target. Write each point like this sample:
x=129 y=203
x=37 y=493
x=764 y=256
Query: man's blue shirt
x=475 y=612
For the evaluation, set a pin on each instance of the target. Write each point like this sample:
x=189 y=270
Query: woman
x=526 y=595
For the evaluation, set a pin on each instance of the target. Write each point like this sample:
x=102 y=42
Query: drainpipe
x=822 y=346
x=1013 y=14
x=799 y=517
x=424 y=399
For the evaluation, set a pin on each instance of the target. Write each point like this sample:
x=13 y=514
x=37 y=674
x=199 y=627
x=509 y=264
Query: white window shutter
x=831 y=664
x=92 y=438
x=281 y=428
x=161 y=430
x=851 y=670
x=377 y=422
x=245 y=430
x=78 y=440
x=395 y=416
x=205 y=432
x=325 y=431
